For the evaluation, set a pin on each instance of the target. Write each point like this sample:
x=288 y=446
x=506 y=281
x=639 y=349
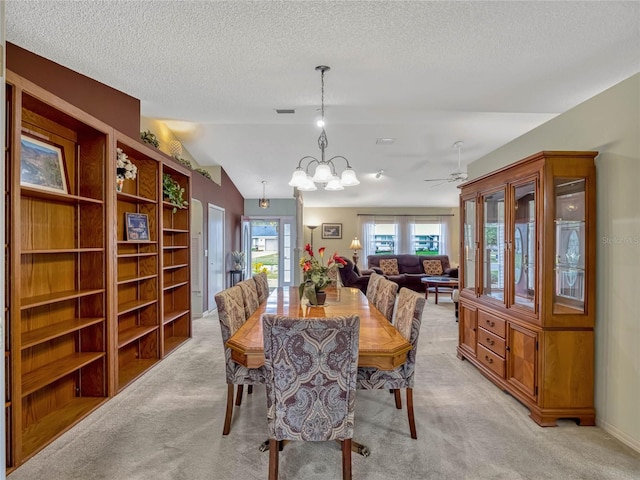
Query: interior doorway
x=215 y=254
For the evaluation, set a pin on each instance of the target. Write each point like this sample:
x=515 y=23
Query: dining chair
x=408 y=320
x=386 y=297
x=249 y=296
x=262 y=286
x=372 y=287
x=231 y=313
x=310 y=368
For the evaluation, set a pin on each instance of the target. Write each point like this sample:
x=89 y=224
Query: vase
x=321 y=297
x=119 y=184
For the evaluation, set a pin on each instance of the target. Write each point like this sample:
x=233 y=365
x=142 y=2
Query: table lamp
x=355 y=246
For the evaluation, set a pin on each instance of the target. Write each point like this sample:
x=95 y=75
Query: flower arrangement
x=259 y=267
x=148 y=137
x=315 y=272
x=125 y=169
x=238 y=259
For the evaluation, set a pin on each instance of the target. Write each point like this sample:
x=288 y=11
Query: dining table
x=380 y=343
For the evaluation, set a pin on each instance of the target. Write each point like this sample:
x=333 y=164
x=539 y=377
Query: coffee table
x=438 y=282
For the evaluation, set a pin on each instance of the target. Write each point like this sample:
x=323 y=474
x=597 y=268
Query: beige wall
x=610 y=124
x=348 y=217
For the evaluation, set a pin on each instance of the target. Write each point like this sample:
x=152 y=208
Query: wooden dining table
x=380 y=344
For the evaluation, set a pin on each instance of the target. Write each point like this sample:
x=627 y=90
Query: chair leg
x=396 y=394
x=274 y=450
x=412 y=420
x=250 y=389
x=239 y=396
x=229 y=413
x=346 y=459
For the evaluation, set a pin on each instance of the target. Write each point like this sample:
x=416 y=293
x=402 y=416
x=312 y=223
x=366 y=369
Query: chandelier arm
x=339 y=156
x=313 y=159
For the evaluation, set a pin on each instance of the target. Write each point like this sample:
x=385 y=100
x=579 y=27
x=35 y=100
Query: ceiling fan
x=456 y=176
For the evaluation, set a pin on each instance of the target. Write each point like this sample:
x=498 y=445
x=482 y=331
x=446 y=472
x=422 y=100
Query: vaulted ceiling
x=426 y=74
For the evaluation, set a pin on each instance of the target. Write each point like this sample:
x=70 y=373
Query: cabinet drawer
x=491 y=360
x=491 y=323
x=492 y=341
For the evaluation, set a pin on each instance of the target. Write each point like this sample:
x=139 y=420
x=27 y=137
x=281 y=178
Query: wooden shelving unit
x=176 y=279
x=88 y=310
x=57 y=362
x=137 y=269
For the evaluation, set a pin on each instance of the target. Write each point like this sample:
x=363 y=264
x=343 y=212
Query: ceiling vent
x=385 y=141
x=285 y=111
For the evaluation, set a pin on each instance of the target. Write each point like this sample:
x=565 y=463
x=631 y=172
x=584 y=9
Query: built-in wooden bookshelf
x=88 y=308
x=137 y=275
x=58 y=304
x=176 y=284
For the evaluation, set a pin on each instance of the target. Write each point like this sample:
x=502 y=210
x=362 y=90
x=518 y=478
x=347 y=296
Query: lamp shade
x=323 y=173
x=355 y=244
x=334 y=184
x=349 y=178
x=298 y=178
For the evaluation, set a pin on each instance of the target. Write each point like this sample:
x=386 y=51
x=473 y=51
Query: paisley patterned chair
x=231 y=313
x=262 y=286
x=386 y=297
x=372 y=287
x=310 y=366
x=250 y=296
x=408 y=320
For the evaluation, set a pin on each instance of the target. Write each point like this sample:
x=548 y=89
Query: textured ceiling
x=425 y=73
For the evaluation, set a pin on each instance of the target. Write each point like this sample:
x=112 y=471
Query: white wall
x=610 y=124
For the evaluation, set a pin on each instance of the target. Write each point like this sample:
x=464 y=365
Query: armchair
x=350 y=276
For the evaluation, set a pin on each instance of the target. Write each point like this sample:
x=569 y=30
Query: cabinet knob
x=490 y=342
x=488 y=359
x=491 y=323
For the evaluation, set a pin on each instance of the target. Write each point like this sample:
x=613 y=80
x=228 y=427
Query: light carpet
x=168 y=425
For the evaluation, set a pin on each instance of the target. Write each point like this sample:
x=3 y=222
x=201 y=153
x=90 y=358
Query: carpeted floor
x=168 y=426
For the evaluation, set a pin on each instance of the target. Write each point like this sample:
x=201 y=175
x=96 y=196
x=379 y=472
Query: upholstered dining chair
x=408 y=320
x=231 y=313
x=250 y=296
x=262 y=286
x=372 y=287
x=385 y=299
x=310 y=367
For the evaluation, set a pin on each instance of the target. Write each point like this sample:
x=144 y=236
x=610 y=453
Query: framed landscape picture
x=137 y=227
x=42 y=165
x=332 y=230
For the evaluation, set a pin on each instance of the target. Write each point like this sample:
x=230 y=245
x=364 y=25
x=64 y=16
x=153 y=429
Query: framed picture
x=42 y=165
x=136 y=227
x=332 y=230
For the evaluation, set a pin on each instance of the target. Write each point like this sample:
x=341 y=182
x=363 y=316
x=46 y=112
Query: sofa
x=408 y=270
x=350 y=276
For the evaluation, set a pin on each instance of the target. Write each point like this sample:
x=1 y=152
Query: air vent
x=385 y=141
x=284 y=111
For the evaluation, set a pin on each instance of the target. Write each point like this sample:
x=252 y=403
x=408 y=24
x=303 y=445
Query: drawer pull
x=490 y=342
x=491 y=323
x=488 y=359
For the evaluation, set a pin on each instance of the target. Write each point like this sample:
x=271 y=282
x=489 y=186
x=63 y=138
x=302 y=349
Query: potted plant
x=173 y=192
x=238 y=259
x=316 y=274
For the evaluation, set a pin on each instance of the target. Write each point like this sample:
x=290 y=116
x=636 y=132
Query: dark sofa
x=411 y=269
x=350 y=276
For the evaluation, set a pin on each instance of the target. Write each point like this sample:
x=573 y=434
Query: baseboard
x=619 y=435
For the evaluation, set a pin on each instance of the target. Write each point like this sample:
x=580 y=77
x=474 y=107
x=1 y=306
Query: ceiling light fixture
x=325 y=172
x=264 y=202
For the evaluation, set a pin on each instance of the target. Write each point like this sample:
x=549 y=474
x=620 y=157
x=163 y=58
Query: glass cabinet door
x=469 y=244
x=494 y=241
x=569 y=290
x=523 y=280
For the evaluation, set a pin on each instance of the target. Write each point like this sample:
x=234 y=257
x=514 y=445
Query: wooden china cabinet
x=527 y=297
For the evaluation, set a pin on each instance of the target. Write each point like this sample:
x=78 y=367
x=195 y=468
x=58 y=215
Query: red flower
x=307 y=249
x=321 y=252
x=339 y=259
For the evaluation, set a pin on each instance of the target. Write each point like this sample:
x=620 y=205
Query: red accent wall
x=112 y=106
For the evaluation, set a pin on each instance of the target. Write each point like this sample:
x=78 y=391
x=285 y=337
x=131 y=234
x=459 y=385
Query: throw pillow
x=432 y=267
x=389 y=266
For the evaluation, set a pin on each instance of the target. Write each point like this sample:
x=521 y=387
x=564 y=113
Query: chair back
x=372 y=287
x=250 y=296
x=408 y=320
x=231 y=313
x=262 y=286
x=310 y=367
x=386 y=297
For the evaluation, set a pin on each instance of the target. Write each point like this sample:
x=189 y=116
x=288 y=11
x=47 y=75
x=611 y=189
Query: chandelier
x=325 y=171
x=264 y=202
